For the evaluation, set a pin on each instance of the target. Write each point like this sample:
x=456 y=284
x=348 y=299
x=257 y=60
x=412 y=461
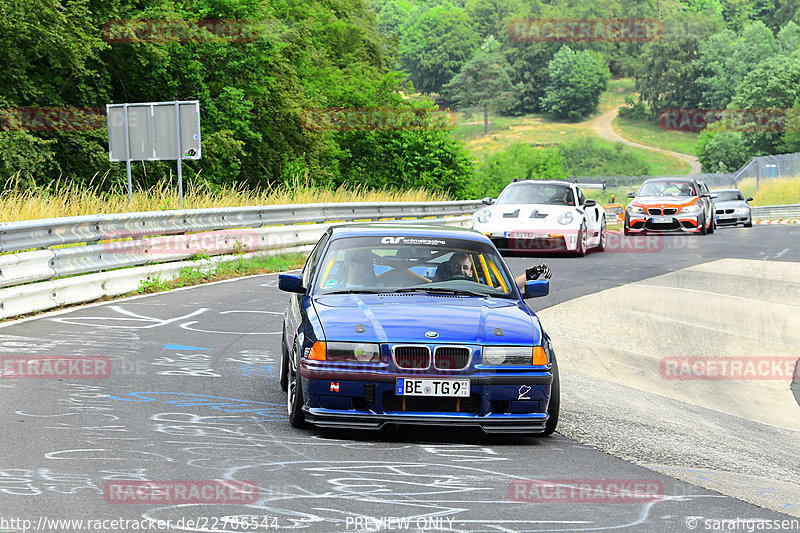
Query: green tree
x=789 y=38
x=776 y=13
x=575 y=81
x=490 y=16
x=483 y=81
x=721 y=151
x=725 y=59
x=772 y=84
x=666 y=78
x=435 y=47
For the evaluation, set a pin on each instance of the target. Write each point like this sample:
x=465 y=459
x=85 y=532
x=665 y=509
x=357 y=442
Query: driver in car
x=460 y=265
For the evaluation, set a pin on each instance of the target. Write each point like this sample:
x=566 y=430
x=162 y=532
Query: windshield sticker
x=413 y=241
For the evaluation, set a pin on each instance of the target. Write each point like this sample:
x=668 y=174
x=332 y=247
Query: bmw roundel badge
x=431 y=334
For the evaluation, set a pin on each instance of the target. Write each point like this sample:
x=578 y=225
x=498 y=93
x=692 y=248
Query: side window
x=313 y=259
x=581 y=197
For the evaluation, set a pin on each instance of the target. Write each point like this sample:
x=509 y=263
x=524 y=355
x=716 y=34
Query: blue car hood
x=407 y=317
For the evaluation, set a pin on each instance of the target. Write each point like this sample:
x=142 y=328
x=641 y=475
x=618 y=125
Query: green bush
x=587 y=157
x=521 y=161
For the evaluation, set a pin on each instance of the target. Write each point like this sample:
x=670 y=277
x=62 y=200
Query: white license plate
x=522 y=235
x=432 y=387
x=661 y=220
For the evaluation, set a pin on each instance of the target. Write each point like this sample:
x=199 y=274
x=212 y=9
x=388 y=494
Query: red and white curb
x=778 y=221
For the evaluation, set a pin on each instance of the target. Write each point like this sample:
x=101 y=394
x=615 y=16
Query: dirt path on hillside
x=602 y=125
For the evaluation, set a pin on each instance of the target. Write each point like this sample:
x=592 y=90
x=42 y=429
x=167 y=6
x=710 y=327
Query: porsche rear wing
x=584 y=183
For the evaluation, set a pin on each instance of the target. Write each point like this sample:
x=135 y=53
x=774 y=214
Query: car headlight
x=484 y=216
x=635 y=210
x=565 y=218
x=352 y=352
x=514 y=355
x=694 y=208
x=741 y=210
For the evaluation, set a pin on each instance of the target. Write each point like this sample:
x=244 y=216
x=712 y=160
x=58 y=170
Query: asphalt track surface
x=193 y=395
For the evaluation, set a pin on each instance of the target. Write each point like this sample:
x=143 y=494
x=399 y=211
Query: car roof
x=678 y=179
x=405 y=230
x=726 y=190
x=540 y=182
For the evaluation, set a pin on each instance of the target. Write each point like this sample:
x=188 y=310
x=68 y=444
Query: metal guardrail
x=776 y=211
x=158 y=243
x=43 y=233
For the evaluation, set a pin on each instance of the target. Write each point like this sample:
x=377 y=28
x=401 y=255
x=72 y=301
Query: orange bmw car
x=680 y=205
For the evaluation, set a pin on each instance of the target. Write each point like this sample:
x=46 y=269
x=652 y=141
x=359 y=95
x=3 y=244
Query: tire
x=703 y=230
x=583 y=239
x=603 y=236
x=294 y=395
x=554 y=405
x=625 y=225
x=713 y=225
x=284 y=368
x=749 y=223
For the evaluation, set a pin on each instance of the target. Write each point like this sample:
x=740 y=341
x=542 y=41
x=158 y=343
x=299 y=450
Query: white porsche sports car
x=542 y=216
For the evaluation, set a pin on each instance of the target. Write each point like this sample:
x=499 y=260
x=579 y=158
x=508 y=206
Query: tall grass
x=774 y=191
x=60 y=199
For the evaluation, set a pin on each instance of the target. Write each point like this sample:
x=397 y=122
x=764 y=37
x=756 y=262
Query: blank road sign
x=153 y=131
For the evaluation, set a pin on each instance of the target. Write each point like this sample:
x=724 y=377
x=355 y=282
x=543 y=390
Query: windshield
x=413 y=264
x=667 y=188
x=537 y=193
x=727 y=196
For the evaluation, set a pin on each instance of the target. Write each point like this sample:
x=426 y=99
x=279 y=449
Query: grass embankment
x=18 y=202
x=651 y=134
x=538 y=130
x=776 y=191
x=236 y=268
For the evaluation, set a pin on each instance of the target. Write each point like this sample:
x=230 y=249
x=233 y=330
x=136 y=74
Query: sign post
x=154 y=131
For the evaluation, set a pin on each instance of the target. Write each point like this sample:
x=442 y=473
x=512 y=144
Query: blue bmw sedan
x=402 y=324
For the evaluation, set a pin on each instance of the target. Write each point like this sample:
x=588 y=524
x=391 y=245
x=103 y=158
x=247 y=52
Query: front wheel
x=713 y=225
x=284 y=367
x=603 y=236
x=582 y=241
x=554 y=405
x=703 y=230
x=294 y=396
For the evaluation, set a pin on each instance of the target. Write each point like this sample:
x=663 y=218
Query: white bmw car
x=542 y=216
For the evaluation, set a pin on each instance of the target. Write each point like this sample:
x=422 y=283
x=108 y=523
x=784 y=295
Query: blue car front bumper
x=507 y=402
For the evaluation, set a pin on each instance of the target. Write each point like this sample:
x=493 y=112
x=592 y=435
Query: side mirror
x=536 y=288
x=488 y=200
x=749 y=199
x=589 y=203
x=707 y=195
x=631 y=195
x=291 y=283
